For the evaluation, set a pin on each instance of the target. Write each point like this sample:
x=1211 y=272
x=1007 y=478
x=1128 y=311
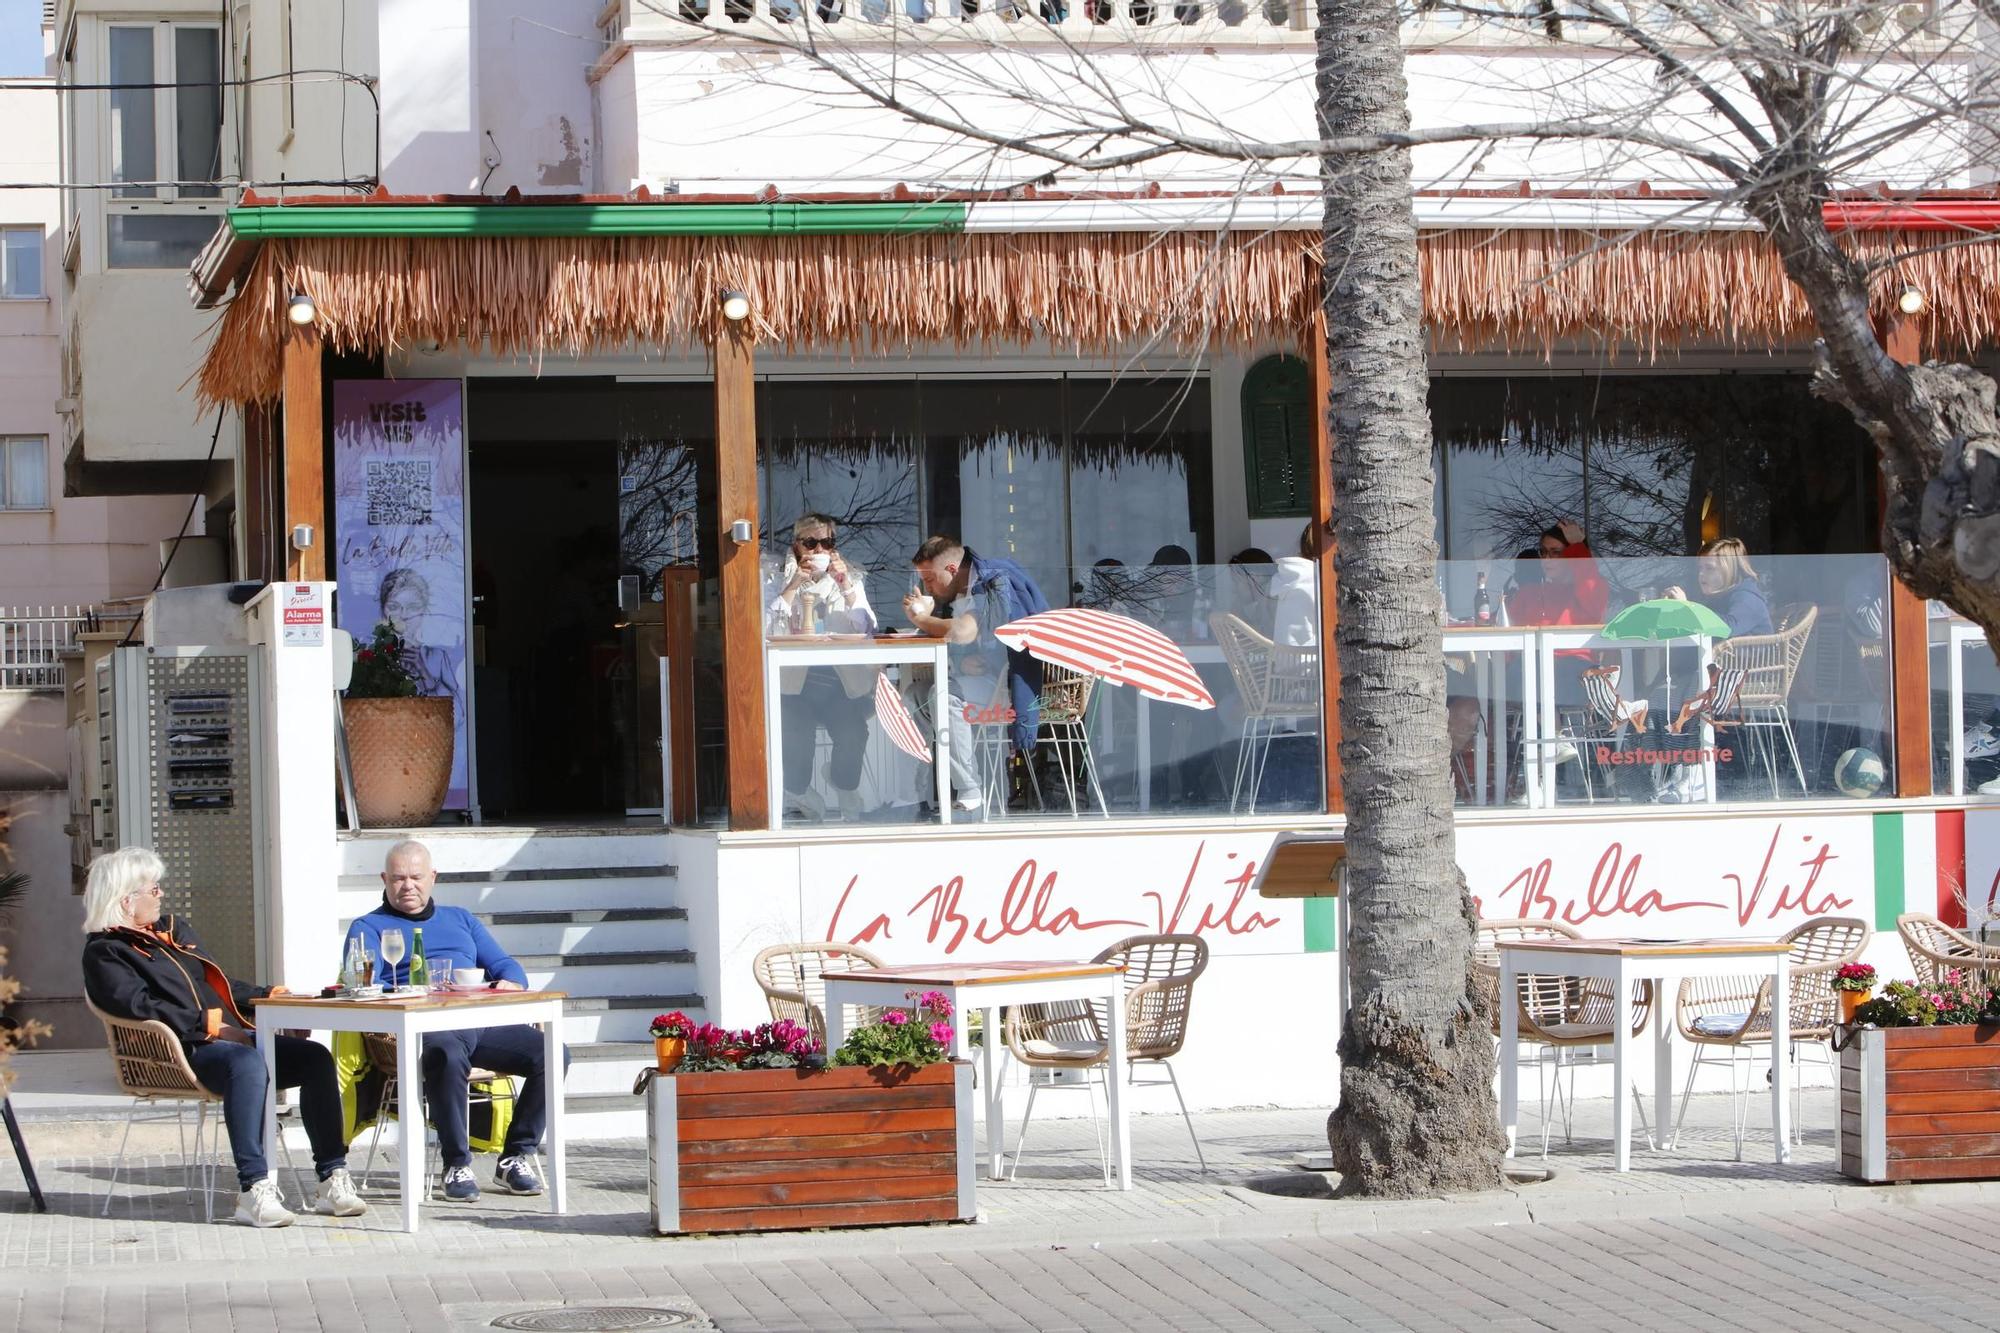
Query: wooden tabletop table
x=407 y=1019
x=1623 y=962
x=986 y=987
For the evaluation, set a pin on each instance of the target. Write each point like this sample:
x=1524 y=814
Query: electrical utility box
x=179 y=769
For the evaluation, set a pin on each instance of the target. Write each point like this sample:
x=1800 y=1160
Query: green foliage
x=381 y=669
x=13 y=891
x=919 y=1035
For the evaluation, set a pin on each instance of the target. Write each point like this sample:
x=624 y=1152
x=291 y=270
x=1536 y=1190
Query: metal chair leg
x=1199 y=1156
x=201 y=1169
x=119 y=1163
x=1020 y=1144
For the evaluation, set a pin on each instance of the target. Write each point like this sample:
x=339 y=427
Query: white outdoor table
x=1486 y=644
x=986 y=987
x=829 y=650
x=407 y=1020
x=1623 y=962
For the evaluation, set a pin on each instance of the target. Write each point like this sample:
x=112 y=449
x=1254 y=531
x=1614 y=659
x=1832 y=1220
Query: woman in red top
x=1572 y=590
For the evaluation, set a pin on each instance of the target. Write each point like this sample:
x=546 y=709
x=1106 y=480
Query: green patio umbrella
x=1665 y=618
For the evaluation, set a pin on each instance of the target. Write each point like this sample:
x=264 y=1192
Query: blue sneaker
x=517 y=1175
x=459 y=1185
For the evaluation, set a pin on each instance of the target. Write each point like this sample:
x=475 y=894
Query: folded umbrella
x=1111 y=647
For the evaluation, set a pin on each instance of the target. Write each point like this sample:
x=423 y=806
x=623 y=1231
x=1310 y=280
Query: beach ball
x=1859 y=772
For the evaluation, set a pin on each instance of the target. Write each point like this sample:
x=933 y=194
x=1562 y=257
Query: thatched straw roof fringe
x=1523 y=291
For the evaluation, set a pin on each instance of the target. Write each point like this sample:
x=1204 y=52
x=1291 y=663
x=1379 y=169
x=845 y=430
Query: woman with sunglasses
x=836 y=699
x=141 y=963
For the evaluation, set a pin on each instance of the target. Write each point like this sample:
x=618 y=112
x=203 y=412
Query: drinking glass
x=440 y=973
x=392 y=955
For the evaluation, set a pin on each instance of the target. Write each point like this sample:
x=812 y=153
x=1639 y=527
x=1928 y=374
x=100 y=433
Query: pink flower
x=941 y=1033
x=895 y=1018
x=937 y=1002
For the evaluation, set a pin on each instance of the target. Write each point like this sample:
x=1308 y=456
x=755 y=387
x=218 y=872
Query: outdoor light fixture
x=300 y=309
x=1911 y=302
x=739 y=530
x=735 y=306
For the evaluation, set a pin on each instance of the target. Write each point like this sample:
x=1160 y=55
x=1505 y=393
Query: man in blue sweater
x=455 y=935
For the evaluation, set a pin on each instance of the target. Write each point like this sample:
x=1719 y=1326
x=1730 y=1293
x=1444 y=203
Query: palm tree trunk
x=1416 y=1113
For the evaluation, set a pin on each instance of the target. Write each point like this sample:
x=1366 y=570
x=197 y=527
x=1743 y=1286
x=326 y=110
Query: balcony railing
x=33 y=640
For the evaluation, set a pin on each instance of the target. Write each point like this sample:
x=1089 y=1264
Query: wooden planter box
x=782 y=1149
x=1920 y=1104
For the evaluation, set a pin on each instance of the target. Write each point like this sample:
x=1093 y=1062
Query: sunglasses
x=815 y=543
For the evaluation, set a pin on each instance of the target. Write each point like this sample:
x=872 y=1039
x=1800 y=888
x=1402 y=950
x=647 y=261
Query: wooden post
x=677 y=585
x=259 y=505
x=305 y=445
x=1909 y=629
x=742 y=576
x=1329 y=609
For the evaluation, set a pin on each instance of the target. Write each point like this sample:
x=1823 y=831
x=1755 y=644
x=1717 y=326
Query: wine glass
x=392 y=954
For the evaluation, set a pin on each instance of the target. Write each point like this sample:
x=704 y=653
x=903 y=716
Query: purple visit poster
x=399 y=524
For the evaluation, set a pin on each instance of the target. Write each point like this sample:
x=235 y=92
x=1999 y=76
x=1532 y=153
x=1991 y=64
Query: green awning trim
x=778 y=219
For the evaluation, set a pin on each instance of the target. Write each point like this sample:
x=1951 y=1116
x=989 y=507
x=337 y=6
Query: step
x=586 y=931
x=549 y=962
x=513 y=849
x=617 y=977
x=620 y=1018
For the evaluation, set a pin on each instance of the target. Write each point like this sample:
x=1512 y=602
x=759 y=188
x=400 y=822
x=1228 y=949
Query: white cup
x=922 y=604
x=468 y=978
x=818 y=562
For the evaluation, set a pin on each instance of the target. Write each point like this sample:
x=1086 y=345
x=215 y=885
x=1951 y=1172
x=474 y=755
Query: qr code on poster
x=399 y=491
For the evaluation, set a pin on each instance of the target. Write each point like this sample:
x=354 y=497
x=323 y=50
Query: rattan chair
x=1160 y=972
x=152 y=1069
x=1278 y=685
x=1769 y=662
x=382 y=1049
x=1732 y=1014
x=1065 y=728
x=1562 y=1015
x=1936 y=949
x=792 y=977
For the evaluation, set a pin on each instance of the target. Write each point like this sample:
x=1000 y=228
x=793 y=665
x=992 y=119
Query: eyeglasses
x=154 y=892
x=815 y=543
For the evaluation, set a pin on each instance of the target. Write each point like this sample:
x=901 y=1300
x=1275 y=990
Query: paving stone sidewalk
x=1053 y=1242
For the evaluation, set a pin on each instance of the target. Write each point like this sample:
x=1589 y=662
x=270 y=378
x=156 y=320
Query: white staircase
x=592 y=912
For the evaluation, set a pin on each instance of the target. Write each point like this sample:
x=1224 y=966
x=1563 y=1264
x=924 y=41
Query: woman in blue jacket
x=1729 y=586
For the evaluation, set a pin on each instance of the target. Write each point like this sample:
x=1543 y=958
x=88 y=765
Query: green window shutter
x=1277 y=438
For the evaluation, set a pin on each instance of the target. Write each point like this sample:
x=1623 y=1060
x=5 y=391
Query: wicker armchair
x=1769 y=662
x=1561 y=1015
x=1160 y=972
x=1278 y=683
x=152 y=1069
x=792 y=978
x=1731 y=1014
x=1936 y=949
x=1065 y=719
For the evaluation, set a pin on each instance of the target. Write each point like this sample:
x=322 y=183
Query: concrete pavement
x=1691 y=1238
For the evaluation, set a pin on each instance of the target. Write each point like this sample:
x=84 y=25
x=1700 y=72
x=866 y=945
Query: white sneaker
x=972 y=802
x=262 y=1206
x=1564 y=752
x=849 y=804
x=805 y=804
x=338 y=1198
x=1981 y=742
x=1990 y=787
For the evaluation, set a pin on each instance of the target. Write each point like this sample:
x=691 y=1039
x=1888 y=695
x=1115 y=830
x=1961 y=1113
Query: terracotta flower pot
x=668 y=1052
x=401 y=750
x=1851 y=1000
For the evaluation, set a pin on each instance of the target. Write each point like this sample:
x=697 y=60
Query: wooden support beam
x=260 y=506
x=677 y=588
x=1908 y=629
x=742 y=577
x=305 y=454
x=1329 y=607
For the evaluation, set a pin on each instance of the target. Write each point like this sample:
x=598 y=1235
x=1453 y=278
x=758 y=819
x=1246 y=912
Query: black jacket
x=136 y=974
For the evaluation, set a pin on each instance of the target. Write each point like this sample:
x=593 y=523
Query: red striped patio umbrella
x=1111 y=647
x=897 y=724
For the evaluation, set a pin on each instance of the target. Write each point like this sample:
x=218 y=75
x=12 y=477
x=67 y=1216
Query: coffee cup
x=818 y=562
x=468 y=978
x=922 y=604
